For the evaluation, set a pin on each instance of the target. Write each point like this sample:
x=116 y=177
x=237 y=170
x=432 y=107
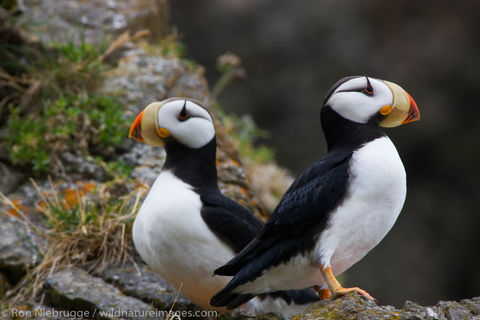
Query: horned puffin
x=185 y=227
x=338 y=209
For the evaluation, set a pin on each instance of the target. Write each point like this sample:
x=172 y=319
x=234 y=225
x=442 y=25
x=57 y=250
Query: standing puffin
x=185 y=227
x=338 y=209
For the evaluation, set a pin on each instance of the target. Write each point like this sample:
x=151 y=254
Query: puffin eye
x=183 y=115
x=369 y=89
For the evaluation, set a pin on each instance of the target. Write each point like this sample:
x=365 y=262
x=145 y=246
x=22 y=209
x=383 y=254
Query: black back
x=304 y=210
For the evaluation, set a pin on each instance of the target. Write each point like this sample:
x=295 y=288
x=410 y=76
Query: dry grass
x=49 y=102
x=87 y=226
x=31 y=73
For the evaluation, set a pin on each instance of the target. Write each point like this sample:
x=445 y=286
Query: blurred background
x=293 y=51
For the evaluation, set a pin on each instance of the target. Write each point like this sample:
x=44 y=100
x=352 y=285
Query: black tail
x=229 y=299
x=248 y=266
x=232 y=267
x=300 y=297
x=234 y=300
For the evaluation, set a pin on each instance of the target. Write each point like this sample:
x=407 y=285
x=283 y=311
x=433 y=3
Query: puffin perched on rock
x=338 y=209
x=185 y=227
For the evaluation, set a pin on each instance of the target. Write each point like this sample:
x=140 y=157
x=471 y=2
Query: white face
x=187 y=122
x=351 y=102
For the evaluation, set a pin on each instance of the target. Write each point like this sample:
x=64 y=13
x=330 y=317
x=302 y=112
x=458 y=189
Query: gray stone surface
x=75 y=289
x=59 y=21
x=142 y=78
x=412 y=310
x=18 y=247
x=82 y=168
x=147 y=286
x=9 y=179
x=352 y=306
x=146 y=161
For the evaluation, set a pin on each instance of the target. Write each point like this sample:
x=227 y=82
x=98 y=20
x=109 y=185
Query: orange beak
x=145 y=128
x=413 y=113
x=136 y=129
x=403 y=109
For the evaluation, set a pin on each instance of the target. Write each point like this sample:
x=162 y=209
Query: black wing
x=297 y=220
x=231 y=222
x=237 y=226
x=292 y=228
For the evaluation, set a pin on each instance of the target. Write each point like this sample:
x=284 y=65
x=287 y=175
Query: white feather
x=356 y=106
x=194 y=132
x=173 y=239
x=375 y=196
x=171 y=236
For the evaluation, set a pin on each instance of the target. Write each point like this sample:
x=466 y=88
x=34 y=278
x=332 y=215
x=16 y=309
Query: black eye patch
x=184 y=115
x=369 y=89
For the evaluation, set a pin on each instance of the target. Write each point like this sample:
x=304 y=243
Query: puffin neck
x=341 y=133
x=196 y=167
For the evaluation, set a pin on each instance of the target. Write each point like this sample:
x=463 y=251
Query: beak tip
x=413 y=112
x=135 y=132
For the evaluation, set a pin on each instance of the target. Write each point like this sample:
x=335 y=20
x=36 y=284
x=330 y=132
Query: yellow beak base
x=144 y=128
x=403 y=109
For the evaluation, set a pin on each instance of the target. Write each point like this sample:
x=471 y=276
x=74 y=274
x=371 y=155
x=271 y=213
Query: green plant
x=117 y=168
x=230 y=67
x=244 y=132
x=31 y=70
x=86 y=124
x=171 y=46
x=72 y=67
x=51 y=102
x=26 y=143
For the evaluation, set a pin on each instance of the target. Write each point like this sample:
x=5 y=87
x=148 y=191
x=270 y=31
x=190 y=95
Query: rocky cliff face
x=137 y=75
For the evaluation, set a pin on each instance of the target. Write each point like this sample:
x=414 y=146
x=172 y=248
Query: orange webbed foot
x=342 y=291
x=337 y=290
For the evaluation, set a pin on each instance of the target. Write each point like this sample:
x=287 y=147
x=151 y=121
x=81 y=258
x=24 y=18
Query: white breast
x=171 y=236
x=375 y=196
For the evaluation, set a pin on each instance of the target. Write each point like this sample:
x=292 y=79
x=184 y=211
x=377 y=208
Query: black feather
x=231 y=222
x=300 y=215
x=296 y=296
x=304 y=210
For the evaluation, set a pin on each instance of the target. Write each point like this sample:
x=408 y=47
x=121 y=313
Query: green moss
x=81 y=124
x=351 y=306
x=172 y=47
x=117 y=168
x=26 y=143
x=73 y=67
x=52 y=104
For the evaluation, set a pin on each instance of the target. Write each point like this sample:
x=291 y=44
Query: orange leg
x=337 y=289
x=323 y=293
